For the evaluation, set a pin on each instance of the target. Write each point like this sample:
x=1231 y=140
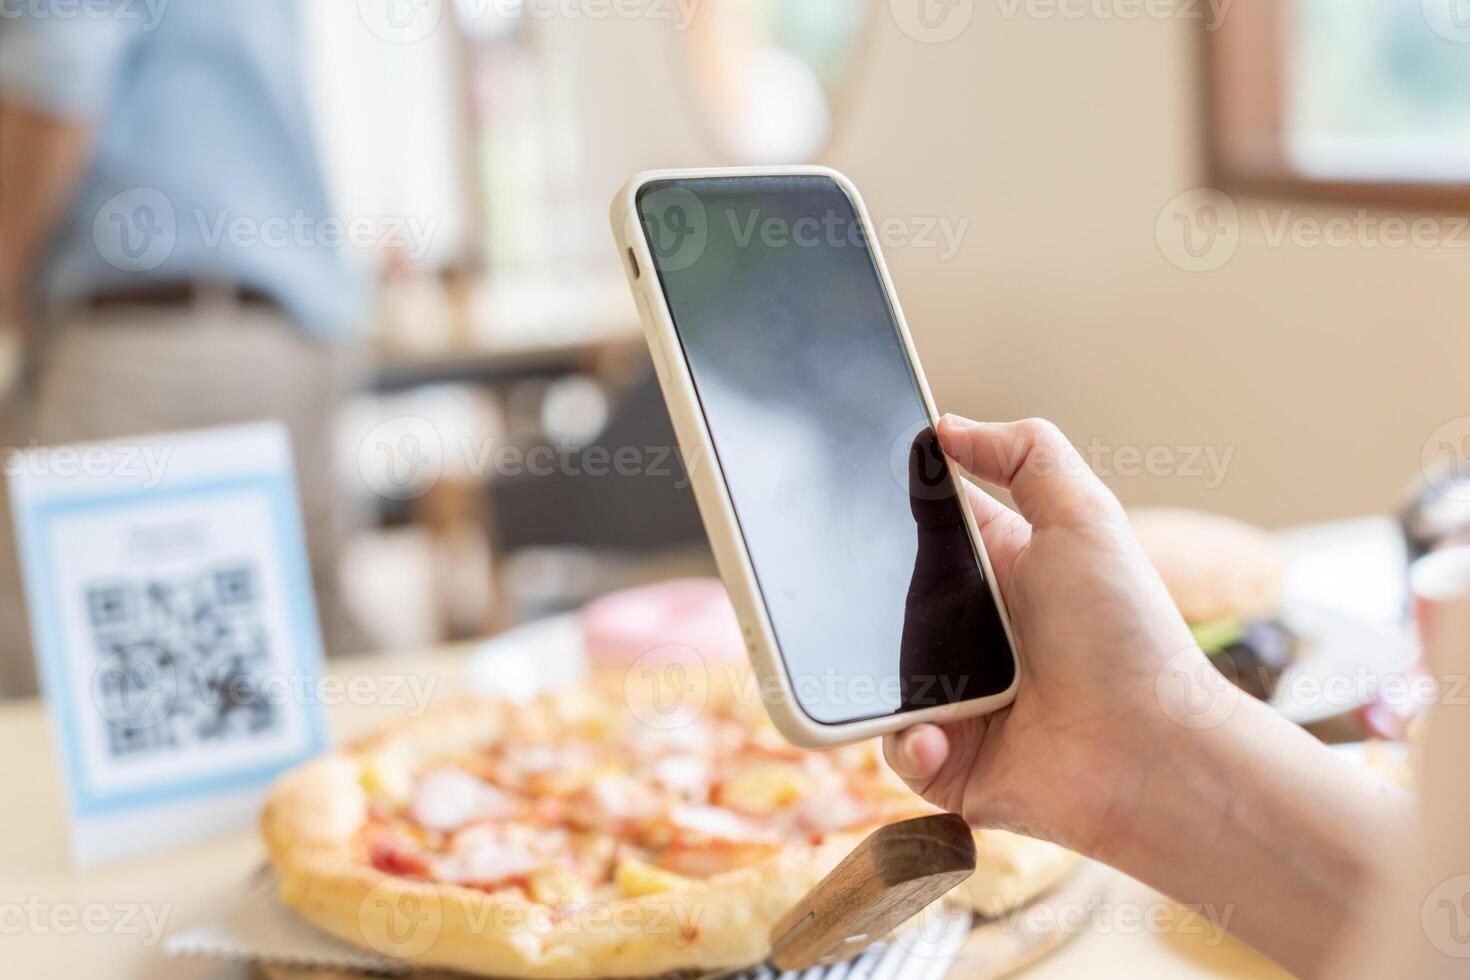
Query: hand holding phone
x=853 y=560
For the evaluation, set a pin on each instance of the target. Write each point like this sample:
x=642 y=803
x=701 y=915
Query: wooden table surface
x=102 y=923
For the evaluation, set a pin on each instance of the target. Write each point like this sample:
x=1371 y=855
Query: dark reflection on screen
x=949 y=616
x=868 y=573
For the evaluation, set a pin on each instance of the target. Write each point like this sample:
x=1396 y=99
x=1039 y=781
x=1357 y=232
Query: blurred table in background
x=504 y=328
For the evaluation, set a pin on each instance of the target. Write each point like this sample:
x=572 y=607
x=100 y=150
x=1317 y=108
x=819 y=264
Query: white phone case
x=713 y=496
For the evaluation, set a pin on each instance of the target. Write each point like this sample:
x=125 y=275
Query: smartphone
x=840 y=529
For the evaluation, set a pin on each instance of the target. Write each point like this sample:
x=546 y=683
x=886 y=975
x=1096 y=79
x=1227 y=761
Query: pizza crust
x=313 y=817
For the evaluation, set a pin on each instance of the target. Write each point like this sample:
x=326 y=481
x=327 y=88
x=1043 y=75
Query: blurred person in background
x=168 y=259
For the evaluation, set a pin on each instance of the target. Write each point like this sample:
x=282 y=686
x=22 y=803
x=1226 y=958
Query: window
x=1365 y=100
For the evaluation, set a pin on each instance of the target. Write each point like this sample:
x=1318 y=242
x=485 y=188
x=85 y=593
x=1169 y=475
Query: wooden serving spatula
x=894 y=874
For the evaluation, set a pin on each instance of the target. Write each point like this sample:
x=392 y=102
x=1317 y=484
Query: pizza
x=590 y=833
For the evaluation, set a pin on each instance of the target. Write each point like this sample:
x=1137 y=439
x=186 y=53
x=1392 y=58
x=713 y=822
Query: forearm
x=41 y=160
x=1257 y=819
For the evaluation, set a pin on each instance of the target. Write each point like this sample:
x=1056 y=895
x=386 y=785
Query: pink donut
x=669 y=621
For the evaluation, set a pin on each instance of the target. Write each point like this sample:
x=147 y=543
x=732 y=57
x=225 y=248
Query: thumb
x=916 y=754
x=1048 y=479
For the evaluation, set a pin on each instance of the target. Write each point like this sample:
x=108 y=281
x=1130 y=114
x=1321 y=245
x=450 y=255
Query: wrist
x=1242 y=810
x=13 y=292
x=10 y=311
x=1175 y=784
x=15 y=311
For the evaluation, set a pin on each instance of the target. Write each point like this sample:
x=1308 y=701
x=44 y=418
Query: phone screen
x=872 y=583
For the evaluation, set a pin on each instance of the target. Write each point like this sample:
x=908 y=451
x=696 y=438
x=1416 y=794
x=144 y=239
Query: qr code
x=180 y=660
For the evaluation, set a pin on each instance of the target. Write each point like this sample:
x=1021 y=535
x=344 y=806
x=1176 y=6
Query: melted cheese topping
x=610 y=807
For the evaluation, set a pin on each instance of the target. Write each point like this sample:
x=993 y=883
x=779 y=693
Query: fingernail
x=958 y=421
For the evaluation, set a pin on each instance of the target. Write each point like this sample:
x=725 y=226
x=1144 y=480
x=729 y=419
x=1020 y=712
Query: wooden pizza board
x=996 y=948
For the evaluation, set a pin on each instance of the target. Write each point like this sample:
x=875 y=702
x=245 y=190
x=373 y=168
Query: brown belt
x=180 y=294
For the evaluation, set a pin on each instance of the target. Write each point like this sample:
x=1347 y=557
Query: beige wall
x=1317 y=372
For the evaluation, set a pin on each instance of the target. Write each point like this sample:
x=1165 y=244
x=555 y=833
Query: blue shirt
x=206 y=167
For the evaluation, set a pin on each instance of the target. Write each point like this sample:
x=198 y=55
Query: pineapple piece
x=387 y=779
x=635 y=878
x=761 y=790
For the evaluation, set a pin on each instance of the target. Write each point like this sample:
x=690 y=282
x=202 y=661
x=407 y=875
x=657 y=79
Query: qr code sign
x=180 y=660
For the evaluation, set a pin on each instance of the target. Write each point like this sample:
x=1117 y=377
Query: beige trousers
x=110 y=374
